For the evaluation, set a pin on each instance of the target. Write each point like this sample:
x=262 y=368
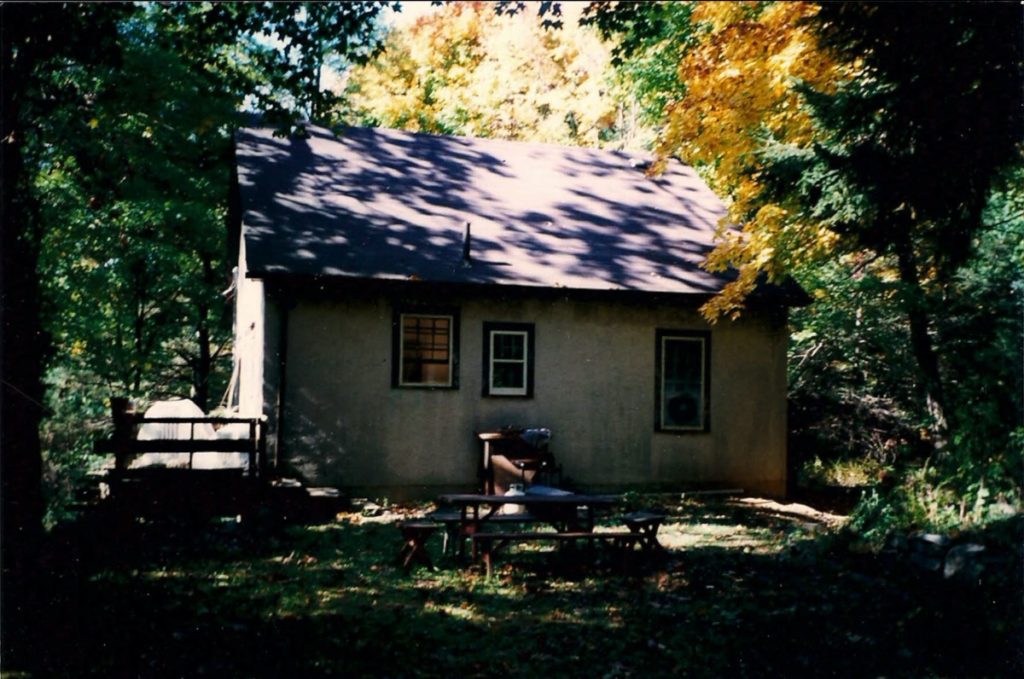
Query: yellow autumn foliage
x=463 y=69
x=741 y=94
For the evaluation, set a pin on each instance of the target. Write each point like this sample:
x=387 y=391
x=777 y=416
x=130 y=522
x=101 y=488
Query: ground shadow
x=170 y=599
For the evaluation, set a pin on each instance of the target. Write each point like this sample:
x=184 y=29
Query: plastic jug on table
x=514 y=490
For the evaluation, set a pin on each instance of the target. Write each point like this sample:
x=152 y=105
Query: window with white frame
x=683 y=361
x=425 y=349
x=508 y=359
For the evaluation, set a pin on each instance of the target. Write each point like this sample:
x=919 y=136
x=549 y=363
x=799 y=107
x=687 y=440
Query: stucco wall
x=345 y=425
x=250 y=342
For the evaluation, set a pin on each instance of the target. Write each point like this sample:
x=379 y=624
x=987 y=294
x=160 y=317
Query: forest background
x=870 y=152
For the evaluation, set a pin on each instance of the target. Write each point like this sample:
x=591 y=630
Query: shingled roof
x=386 y=204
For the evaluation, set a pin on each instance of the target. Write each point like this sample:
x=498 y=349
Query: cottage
x=398 y=292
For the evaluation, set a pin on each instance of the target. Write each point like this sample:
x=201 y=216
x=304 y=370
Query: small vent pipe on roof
x=467 y=254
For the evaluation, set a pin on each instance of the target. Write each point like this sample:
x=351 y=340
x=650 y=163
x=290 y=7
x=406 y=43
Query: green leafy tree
x=38 y=43
x=649 y=40
x=907 y=153
x=273 y=54
x=116 y=123
x=851 y=390
x=135 y=257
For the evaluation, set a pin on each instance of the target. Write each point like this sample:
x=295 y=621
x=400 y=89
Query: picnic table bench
x=645 y=526
x=572 y=515
x=455 y=527
x=415 y=534
x=490 y=543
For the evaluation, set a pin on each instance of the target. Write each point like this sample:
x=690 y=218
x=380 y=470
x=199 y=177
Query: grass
x=846 y=473
x=748 y=589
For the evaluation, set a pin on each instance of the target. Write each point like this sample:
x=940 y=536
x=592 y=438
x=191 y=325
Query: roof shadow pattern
x=387 y=204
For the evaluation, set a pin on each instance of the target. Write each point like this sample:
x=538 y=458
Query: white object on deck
x=185 y=431
x=235 y=431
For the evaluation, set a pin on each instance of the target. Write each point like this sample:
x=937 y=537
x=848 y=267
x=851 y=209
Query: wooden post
x=253 y=449
x=263 y=462
x=123 y=413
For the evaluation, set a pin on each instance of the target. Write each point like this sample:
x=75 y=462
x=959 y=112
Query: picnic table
x=564 y=511
x=570 y=514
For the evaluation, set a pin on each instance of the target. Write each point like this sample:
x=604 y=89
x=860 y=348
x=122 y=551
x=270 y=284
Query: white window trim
x=703 y=381
x=401 y=350
x=524 y=362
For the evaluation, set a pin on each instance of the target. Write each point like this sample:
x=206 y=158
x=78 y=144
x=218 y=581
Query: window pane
x=508 y=375
x=436 y=373
x=508 y=359
x=412 y=372
x=509 y=346
x=426 y=350
x=682 y=403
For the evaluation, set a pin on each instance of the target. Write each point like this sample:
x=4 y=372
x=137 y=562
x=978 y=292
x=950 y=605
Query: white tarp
x=184 y=431
x=236 y=431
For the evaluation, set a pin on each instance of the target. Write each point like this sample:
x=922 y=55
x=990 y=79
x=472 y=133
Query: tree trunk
x=139 y=349
x=22 y=354
x=201 y=375
x=921 y=344
x=204 y=363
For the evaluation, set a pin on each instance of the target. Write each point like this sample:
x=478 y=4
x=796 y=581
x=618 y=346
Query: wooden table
x=563 y=512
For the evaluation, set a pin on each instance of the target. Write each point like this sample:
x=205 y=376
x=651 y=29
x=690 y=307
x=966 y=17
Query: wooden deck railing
x=124 y=445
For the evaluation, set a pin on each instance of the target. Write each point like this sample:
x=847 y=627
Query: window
x=683 y=361
x=508 y=359
x=425 y=349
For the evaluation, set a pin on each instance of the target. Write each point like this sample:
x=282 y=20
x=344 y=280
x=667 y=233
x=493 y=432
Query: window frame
x=527 y=330
x=704 y=337
x=398 y=341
